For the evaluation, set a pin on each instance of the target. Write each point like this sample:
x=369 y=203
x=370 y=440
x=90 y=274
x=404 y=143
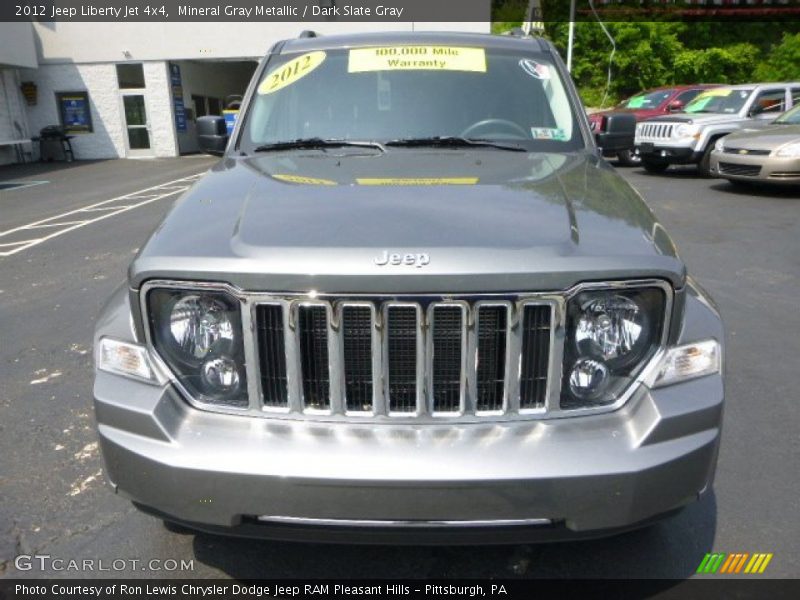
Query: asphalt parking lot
x=65 y=245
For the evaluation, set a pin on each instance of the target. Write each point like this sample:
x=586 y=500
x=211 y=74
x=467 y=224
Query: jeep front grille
x=442 y=358
x=656 y=131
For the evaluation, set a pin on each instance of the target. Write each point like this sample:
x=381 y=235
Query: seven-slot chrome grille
x=395 y=358
x=655 y=131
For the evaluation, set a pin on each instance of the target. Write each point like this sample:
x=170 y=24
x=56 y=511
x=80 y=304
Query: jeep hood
x=699 y=118
x=489 y=220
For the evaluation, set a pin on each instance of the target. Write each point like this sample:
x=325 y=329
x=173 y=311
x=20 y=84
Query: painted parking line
x=7 y=186
x=87 y=215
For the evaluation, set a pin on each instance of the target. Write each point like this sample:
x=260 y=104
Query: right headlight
x=720 y=145
x=198 y=334
x=685 y=130
x=789 y=151
x=611 y=335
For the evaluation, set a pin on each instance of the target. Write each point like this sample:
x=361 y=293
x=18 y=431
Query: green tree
x=783 y=61
x=730 y=64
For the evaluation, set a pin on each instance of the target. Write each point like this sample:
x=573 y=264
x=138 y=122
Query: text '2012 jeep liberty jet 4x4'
x=410 y=304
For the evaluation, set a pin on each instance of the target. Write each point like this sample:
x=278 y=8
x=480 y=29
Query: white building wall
x=17 y=48
x=13 y=119
x=100 y=80
x=160 y=114
x=108 y=121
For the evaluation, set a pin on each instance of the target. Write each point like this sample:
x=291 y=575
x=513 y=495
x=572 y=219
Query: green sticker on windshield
x=636 y=102
x=698 y=105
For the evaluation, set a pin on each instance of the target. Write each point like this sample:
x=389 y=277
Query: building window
x=130 y=76
x=74 y=112
x=214 y=106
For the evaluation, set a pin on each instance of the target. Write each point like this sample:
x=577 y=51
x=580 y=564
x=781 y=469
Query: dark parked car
x=651 y=103
x=412 y=303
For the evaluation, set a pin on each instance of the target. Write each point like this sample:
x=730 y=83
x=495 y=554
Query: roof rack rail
x=517 y=32
x=308 y=33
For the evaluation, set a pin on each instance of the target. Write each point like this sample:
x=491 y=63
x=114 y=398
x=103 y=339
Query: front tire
x=654 y=165
x=628 y=158
x=704 y=166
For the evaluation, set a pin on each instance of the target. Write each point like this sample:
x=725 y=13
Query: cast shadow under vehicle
x=675 y=172
x=758 y=189
x=669 y=550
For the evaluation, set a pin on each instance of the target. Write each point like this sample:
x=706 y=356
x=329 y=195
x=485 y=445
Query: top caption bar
x=394 y=10
x=245 y=10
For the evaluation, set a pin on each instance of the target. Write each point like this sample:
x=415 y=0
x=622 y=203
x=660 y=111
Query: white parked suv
x=689 y=137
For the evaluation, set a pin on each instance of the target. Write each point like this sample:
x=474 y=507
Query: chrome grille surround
x=656 y=130
x=424 y=305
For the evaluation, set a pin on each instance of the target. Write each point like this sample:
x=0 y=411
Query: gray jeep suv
x=411 y=303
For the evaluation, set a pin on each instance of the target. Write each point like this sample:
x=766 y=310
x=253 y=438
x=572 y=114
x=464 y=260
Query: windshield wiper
x=454 y=142
x=317 y=142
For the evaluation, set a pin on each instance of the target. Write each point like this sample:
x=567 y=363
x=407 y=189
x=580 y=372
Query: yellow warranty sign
x=291 y=72
x=717 y=92
x=424 y=58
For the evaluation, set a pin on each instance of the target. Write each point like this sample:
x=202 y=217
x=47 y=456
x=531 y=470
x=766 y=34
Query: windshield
x=791 y=117
x=651 y=100
x=384 y=94
x=719 y=100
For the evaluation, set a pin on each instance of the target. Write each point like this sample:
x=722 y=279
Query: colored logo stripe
x=720 y=562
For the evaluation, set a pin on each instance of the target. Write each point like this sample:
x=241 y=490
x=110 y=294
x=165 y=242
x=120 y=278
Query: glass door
x=137 y=128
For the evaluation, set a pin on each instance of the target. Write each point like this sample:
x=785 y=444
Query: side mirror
x=675 y=106
x=212 y=135
x=618 y=133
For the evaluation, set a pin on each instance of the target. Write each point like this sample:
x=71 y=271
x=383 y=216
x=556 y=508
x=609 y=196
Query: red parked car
x=644 y=105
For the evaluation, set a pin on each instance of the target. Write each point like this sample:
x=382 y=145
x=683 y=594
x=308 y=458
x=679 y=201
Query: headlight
x=611 y=334
x=720 y=145
x=685 y=130
x=198 y=334
x=789 y=151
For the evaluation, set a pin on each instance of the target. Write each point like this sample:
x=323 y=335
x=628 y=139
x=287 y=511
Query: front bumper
x=743 y=167
x=517 y=481
x=670 y=154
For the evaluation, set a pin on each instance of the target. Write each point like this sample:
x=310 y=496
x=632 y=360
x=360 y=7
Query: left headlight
x=198 y=334
x=611 y=335
x=719 y=146
x=789 y=151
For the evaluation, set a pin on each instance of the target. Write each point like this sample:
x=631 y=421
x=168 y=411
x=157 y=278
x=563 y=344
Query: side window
x=795 y=96
x=772 y=101
x=687 y=96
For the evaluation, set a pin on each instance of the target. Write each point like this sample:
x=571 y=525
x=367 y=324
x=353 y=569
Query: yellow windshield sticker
x=420 y=58
x=419 y=181
x=291 y=72
x=303 y=180
x=716 y=92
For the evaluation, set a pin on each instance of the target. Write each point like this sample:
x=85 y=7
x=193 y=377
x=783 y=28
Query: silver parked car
x=770 y=155
x=412 y=303
x=689 y=137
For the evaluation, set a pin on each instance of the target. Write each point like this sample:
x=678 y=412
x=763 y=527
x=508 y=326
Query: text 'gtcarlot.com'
x=46 y=562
